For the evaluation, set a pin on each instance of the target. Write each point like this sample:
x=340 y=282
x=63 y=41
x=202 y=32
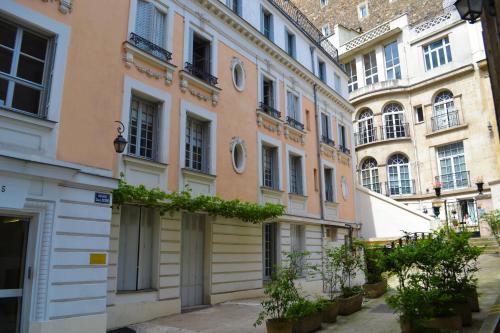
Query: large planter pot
x=308 y=324
x=330 y=312
x=473 y=300
x=279 y=326
x=465 y=313
x=448 y=323
x=375 y=290
x=350 y=305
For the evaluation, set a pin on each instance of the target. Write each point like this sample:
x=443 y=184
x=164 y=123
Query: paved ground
x=376 y=316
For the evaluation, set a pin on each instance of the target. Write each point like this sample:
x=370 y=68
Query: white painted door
x=193 y=242
x=13 y=245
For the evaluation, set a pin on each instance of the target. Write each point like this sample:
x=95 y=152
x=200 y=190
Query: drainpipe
x=318 y=148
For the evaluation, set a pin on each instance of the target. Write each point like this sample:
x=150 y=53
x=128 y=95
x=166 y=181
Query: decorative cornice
x=65 y=6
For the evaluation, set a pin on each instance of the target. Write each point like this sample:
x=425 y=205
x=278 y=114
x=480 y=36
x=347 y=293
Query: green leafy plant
x=302 y=308
x=349 y=262
x=177 y=201
x=375 y=263
x=493 y=220
x=331 y=273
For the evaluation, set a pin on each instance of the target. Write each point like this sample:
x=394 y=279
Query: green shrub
x=302 y=308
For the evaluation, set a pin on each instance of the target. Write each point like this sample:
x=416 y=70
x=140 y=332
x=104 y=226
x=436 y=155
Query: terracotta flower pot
x=279 y=326
x=464 y=311
x=375 y=290
x=350 y=305
x=330 y=312
x=448 y=323
x=308 y=324
x=473 y=300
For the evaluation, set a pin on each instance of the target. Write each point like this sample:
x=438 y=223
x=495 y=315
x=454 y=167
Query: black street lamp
x=120 y=142
x=469 y=10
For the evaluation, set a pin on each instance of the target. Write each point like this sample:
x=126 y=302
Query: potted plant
x=306 y=316
x=375 y=285
x=331 y=277
x=437 y=188
x=349 y=262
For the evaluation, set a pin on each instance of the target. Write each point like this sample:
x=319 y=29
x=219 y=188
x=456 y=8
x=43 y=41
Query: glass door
x=13 y=244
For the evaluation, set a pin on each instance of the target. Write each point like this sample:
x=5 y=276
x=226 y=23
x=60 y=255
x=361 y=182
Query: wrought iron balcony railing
x=365 y=137
x=295 y=123
x=269 y=110
x=454 y=180
x=400 y=187
x=300 y=20
x=443 y=121
x=149 y=47
x=396 y=131
x=375 y=187
x=201 y=74
x=345 y=150
x=327 y=140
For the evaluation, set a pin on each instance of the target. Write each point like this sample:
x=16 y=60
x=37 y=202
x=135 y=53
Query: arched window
x=394 y=124
x=369 y=175
x=398 y=173
x=366 y=131
x=444 y=114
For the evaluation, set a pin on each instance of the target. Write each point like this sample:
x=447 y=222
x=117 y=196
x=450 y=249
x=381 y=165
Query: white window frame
x=415 y=108
x=399 y=180
x=373 y=176
x=445 y=47
x=273 y=142
x=366 y=127
x=360 y=10
x=323 y=3
x=328 y=165
x=351 y=83
x=329 y=124
x=454 y=172
x=394 y=65
x=339 y=132
x=156 y=107
x=290 y=152
x=189 y=30
x=264 y=74
x=264 y=10
x=337 y=83
x=325 y=76
x=291 y=50
x=298 y=95
x=326 y=30
x=373 y=77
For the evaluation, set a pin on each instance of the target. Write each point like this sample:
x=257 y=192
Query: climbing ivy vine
x=184 y=201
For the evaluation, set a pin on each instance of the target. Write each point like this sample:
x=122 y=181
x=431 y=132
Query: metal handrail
x=327 y=140
x=398 y=190
x=269 y=110
x=150 y=47
x=345 y=150
x=295 y=123
x=365 y=137
x=201 y=74
x=395 y=131
x=443 y=121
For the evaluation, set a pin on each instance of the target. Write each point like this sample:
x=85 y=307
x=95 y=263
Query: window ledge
x=151 y=164
x=297 y=196
x=332 y=204
x=269 y=122
x=271 y=195
x=198 y=174
x=32 y=120
x=189 y=82
x=446 y=130
x=294 y=134
x=132 y=51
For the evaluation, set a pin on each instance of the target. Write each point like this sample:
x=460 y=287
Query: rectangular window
x=197 y=145
x=336 y=82
x=342 y=137
x=329 y=185
x=268 y=92
x=270 y=167
x=322 y=70
x=325 y=30
x=201 y=57
x=452 y=168
x=143 y=129
x=323 y=3
x=298 y=243
x=352 y=75
x=325 y=126
x=136 y=248
x=235 y=6
x=270 y=249
x=419 y=114
x=371 y=74
x=290 y=43
x=437 y=53
x=392 y=61
x=295 y=165
x=363 y=10
x=267 y=24
x=25 y=65
x=150 y=23
x=293 y=109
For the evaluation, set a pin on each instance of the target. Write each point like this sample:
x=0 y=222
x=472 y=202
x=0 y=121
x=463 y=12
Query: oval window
x=238 y=156
x=238 y=75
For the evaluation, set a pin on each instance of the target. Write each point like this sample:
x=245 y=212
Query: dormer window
x=290 y=43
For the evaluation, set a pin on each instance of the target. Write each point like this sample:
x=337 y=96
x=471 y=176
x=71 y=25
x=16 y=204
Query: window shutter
x=144 y=19
x=52 y=47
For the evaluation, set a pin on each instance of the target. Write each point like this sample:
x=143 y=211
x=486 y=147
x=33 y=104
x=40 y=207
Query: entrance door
x=193 y=242
x=13 y=244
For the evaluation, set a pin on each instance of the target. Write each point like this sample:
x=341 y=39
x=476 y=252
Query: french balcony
x=400 y=188
x=201 y=74
x=327 y=140
x=392 y=132
x=345 y=150
x=269 y=110
x=365 y=137
x=295 y=123
x=456 y=180
x=329 y=195
x=375 y=187
x=150 y=48
x=444 y=121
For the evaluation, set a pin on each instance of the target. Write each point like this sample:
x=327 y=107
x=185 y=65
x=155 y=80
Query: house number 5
x=3 y=188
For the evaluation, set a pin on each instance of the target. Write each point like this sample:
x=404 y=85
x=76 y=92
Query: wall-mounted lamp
x=436 y=207
x=120 y=142
x=490 y=127
x=469 y=10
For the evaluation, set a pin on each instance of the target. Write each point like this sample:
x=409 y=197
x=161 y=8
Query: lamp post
x=120 y=142
x=470 y=10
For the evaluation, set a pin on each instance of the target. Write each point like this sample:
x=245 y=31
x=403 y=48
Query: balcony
x=365 y=137
x=327 y=140
x=400 y=131
x=375 y=187
x=400 y=188
x=201 y=74
x=269 y=110
x=345 y=150
x=295 y=123
x=454 y=180
x=444 y=121
x=150 y=48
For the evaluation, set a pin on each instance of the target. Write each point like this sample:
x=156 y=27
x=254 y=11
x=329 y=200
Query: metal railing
x=269 y=110
x=401 y=187
x=327 y=140
x=365 y=137
x=407 y=239
x=149 y=47
x=443 y=121
x=295 y=123
x=454 y=180
x=375 y=187
x=201 y=74
x=300 y=20
x=395 y=131
x=345 y=150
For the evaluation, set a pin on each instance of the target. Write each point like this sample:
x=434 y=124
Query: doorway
x=13 y=247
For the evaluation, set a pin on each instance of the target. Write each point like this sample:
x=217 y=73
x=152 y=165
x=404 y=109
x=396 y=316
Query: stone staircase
x=488 y=243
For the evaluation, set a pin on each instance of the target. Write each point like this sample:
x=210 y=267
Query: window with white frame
x=136 y=248
x=298 y=244
x=352 y=75
x=143 y=128
x=201 y=58
x=342 y=138
x=270 y=249
x=197 y=144
x=452 y=168
x=293 y=108
x=329 y=179
x=267 y=24
x=444 y=114
x=337 y=83
x=371 y=72
x=323 y=3
x=394 y=121
x=362 y=10
x=366 y=130
x=419 y=114
x=325 y=30
x=295 y=174
x=437 y=53
x=326 y=133
x=369 y=175
x=268 y=92
x=321 y=70
x=392 y=66
x=150 y=23
x=235 y=6
x=290 y=43
x=398 y=171
x=25 y=66
x=270 y=172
